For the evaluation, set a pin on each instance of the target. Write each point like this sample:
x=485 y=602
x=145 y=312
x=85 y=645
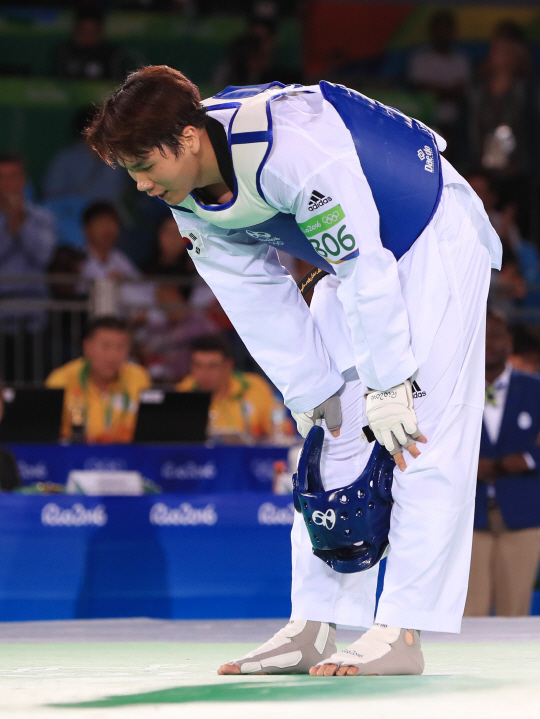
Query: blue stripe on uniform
x=242 y=138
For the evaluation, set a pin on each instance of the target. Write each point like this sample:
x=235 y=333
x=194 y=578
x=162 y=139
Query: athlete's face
x=166 y=175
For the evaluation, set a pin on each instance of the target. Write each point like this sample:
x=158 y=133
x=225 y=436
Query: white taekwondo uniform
x=418 y=312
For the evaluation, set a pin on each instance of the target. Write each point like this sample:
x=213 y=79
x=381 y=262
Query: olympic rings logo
x=331 y=218
x=258 y=235
x=327 y=519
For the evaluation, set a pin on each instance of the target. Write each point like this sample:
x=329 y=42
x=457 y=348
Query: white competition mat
x=158 y=668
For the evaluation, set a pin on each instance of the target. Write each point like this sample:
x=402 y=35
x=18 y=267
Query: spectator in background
x=9 y=471
x=101 y=388
x=504 y=118
x=250 y=58
x=27 y=240
x=446 y=72
x=77 y=171
x=508 y=287
x=162 y=343
x=506 y=543
x=171 y=258
x=102 y=229
x=86 y=56
x=503 y=219
x=526 y=352
x=68 y=261
x=242 y=402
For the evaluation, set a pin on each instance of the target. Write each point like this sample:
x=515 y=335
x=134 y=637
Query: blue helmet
x=348 y=527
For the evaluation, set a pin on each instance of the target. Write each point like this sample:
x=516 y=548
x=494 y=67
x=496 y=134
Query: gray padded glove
x=329 y=410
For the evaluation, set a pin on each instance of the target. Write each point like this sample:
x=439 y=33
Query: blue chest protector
x=399 y=157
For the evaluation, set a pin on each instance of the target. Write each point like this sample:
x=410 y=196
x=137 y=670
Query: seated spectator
x=508 y=287
x=86 y=55
x=506 y=542
x=503 y=219
x=504 y=119
x=242 y=402
x=163 y=341
x=445 y=72
x=27 y=240
x=250 y=57
x=102 y=229
x=171 y=257
x=526 y=353
x=67 y=261
x=9 y=471
x=101 y=387
x=77 y=172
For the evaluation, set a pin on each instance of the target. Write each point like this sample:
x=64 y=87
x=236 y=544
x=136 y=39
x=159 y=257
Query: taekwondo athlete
x=394 y=337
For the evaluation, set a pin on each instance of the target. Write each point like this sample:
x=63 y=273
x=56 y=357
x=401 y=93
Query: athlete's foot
x=293 y=650
x=229 y=669
x=326 y=670
x=382 y=650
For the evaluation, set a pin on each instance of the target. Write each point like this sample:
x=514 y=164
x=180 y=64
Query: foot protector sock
x=293 y=650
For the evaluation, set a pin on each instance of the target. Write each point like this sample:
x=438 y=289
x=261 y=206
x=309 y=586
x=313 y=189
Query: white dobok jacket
x=307 y=167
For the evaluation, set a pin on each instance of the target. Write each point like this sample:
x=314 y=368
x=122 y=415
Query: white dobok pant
x=430 y=539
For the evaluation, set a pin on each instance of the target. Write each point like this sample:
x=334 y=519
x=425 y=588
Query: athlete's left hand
x=329 y=410
x=392 y=419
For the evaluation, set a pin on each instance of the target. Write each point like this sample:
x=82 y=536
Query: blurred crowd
x=84 y=242
x=487 y=109
x=99 y=296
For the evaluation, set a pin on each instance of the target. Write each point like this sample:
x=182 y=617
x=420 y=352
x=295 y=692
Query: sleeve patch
x=328 y=234
x=322 y=222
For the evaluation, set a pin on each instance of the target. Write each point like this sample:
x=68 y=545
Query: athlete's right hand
x=392 y=419
x=329 y=410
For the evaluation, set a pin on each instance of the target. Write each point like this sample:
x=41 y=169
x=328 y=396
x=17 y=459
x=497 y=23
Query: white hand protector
x=392 y=418
x=329 y=410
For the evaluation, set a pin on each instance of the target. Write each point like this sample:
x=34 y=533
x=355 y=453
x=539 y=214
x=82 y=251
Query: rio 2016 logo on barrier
x=75 y=516
x=269 y=514
x=105 y=464
x=28 y=471
x=188 y=470
x=184 y=515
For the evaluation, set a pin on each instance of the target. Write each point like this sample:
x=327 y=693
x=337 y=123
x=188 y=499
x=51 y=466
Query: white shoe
x=293 y=650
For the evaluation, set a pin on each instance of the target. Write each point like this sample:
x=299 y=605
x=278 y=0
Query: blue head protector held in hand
x=348 y=527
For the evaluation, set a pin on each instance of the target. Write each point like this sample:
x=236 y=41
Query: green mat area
x=293 y=690
x=103 y=680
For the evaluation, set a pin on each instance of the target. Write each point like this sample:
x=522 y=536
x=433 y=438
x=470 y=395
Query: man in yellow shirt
x=101 y=388
x=242 y=402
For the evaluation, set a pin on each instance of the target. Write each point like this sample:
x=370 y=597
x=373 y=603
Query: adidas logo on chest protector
x=317 y=200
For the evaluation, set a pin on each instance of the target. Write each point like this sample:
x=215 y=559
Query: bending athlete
x=394 y=337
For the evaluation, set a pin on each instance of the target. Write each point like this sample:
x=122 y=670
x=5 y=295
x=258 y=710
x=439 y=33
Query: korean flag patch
x=194 y=243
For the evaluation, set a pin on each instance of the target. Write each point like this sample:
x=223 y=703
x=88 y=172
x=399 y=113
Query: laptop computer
x=31 y=415
x=172 y=416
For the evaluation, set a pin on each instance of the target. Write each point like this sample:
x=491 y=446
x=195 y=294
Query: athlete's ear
x=191 y=139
